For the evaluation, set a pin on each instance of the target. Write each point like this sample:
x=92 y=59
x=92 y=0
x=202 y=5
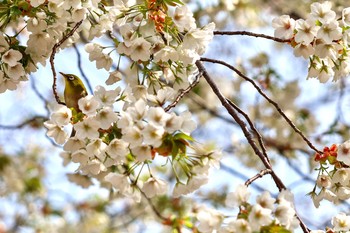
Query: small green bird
x=73 y=91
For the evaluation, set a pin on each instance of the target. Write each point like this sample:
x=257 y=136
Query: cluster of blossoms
x=340 y=222
x=110 y=145
x=322 y=37
x=164 y=47
x=11 y=68
x=334 y=174
x=45 y=22
x=266 y=215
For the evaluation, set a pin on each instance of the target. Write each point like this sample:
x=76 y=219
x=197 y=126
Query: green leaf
x=173 y=2
x=183 y=136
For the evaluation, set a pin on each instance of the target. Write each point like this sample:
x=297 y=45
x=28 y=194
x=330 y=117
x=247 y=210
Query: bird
x=73 y=91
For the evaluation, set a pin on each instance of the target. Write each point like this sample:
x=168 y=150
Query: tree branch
x=257 y=176
x=52 y=58
x=245 y=33
x=277 y=107
x=183 y=93
x=247 y=134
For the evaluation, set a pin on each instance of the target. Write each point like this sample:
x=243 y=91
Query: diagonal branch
x=52 y=58
x=183 y=93
x=277 y=107
x=258 y=135
x=246 y=132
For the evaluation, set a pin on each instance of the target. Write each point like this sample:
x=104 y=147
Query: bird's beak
x=63 y=74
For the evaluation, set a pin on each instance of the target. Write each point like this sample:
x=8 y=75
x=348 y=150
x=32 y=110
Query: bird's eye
x=71 y=78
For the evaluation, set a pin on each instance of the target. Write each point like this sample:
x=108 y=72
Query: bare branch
x=258 y=135
x=298 y=131
x=246 y=132
x=245 y=33
x=257 y=176
x=183 y=93
x=52 y=58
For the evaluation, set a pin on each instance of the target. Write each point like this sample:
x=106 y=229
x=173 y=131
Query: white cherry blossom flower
x=322 y=12
x=329 y=32
x=96 y=148
x=93 y=167
x=198 y=39
x=81 y=156
x=342 y=176
x=240 y=225
x=304 y=50
x=341 y=222
x=73 y=144
x=132 y=135
x=343 y=193
x=154 y=187
x=140 y=49
x=284 y=214
x=344 y=153
x=324 y=181
x=142 y=153
x=265 y=200
x=306 y=31
x=114 y=76
x=36 y=3
x=209 y=220
x=88 y=128
x=106 y=97
x=284 y=26
x=259 y=217
x=88 y=105
x=165 y=54
x=118 y=150
x=119 y=182
x=15 y=72
x=11 y=57
x=183 y=18
x=346 y=16
x=153 y=135
x=106 y=116
x=61 y=115
x=7 y=83
x=173 y=122
x=238 y=197
x=36 y=25
x=4 y=46
x=188 y=125
x=56 y=132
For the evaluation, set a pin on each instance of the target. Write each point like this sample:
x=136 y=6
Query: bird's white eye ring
x=71 y=78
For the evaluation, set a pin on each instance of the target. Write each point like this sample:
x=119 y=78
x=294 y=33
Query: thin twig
x=155 y=210
x=245 y=33
x=258 y=135
x=257 y=176
x=236 y=173
x=80 y=67
x=52 y=58
x=239 y=121
x=298 y=131
x=183 y=93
